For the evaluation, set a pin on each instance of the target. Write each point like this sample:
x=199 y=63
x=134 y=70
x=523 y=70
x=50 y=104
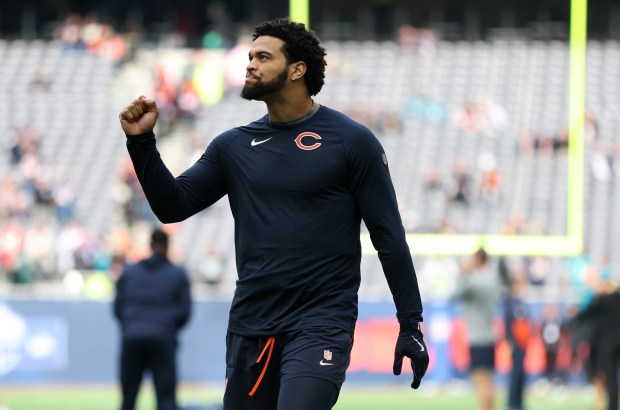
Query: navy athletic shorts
x=482 y=357
x=257 y=366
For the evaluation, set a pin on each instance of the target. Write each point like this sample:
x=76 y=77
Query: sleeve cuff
x=140 y=137
x=409 y=318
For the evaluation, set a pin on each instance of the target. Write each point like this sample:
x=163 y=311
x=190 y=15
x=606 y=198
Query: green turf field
x=352 y=398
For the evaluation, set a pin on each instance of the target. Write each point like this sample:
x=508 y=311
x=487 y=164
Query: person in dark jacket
x=517 y=328
x=152 y=304
x=603 y=314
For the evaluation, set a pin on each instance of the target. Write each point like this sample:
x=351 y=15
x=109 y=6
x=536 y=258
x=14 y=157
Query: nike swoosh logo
x=255 y=143
x=322 y=363
x=418 y=342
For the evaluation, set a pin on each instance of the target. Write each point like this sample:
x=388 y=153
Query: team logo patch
x=301 y=145
x=385 y=162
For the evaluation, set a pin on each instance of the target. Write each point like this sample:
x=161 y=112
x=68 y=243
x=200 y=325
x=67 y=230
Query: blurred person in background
x=603 y=314
x=152 y=304
x=587 y=277
x=478 y=289
x=517 y=328
x=299 y=181
x=551 y=332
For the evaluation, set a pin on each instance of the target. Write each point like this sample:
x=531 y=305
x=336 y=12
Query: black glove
x=410 y=343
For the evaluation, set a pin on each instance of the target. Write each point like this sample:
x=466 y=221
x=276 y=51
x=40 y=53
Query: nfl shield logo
x=327 y=354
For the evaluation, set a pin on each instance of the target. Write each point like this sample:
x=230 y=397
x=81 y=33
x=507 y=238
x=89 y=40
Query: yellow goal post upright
x=299 y=11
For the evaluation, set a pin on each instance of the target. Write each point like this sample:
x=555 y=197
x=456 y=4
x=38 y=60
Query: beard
x=260 y=89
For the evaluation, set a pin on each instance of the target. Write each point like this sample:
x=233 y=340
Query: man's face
x=267 y=71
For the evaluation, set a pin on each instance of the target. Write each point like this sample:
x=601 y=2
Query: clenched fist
x=139 y=117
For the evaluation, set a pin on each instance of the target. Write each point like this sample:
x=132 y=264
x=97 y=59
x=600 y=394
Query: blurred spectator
x=490 y=185
x=30 y=168
x=26 y=143
x=85 y=255
x=389 y=122
x=591 y=126
x=41 y=81
x=427 y=43
x=70 y=239
x=422 y=108
x=12 y=242
x=546 y=139
x=63 y=196
x=221 y=30
x=42 y=190
x=422 y=41
x=407 y=38
x=458 y=187
x=527 y=142
x=517 y=328
x=538 y=269
x=560 y=143
x=130 y=198
x=68 y=33
x=166 y=96
x=478 y=289
x=551 y=331
x=600 y=164
x=431 y=179
x=481 y=115
x=40 y=249
x=119 y=242
x=22 y=271
x=603 y=314
x=466 y=119
x=519 y=224
x=14 y=202
x=493 y=117
x=113 y=45
x=212 y=39
x=91 y=32
x=433 y=198
x=188 y=101
x=585 y=277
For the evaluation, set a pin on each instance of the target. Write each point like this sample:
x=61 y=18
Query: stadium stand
x=486 y=119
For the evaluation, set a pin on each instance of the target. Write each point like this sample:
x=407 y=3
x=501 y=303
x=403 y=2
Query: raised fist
x=139 y=117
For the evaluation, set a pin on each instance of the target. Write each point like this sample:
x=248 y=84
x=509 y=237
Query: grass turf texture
x=352 y=398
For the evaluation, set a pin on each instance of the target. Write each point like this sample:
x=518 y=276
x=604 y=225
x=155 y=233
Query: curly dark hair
x=299 y=45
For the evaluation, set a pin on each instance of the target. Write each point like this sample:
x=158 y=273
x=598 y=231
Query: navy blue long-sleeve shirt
x=298 y=193
x=153 y=299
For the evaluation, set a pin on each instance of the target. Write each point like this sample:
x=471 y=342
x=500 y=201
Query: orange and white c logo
x=308 y=147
